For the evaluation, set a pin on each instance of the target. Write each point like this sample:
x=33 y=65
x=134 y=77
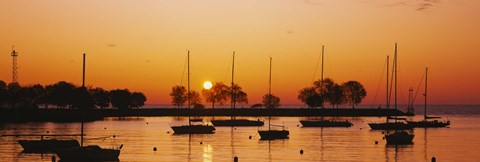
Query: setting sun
x=207 y=85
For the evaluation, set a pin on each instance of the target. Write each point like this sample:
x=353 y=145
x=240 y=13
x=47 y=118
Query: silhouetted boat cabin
x=325 y=123
x=237 y=122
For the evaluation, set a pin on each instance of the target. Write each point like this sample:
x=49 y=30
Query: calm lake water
x=460 y=142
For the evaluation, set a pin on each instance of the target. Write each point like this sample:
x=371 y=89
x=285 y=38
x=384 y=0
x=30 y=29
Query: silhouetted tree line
x=218 y=94
x=66 y=95
x=327 y=91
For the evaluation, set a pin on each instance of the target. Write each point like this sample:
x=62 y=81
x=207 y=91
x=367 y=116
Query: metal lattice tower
x=14 y=67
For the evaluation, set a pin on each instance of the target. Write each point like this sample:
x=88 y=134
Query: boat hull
x=399 y=138
x=237 y=122
x=273 y=134
x=390 y=126
x=325 y=123
x=429 y=124
x=88 y=153
x=48 y=145
x=193 y=129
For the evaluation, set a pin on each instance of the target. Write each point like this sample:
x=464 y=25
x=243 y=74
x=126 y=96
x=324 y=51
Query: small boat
x=192 y=127
x=272 y=134
x=44 y=145
x=233 y=121
x=47 y=145
x=426 y=123
x=91 y=152
x=322 y=122
x=399 y=138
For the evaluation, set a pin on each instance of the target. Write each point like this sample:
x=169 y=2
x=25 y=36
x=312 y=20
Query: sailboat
x=399 y=136
x=90 y=152
x=193 y=126
x=397 y=124
x=322 y=122
x=271 y=134
x=232 y=121
x=426 y=123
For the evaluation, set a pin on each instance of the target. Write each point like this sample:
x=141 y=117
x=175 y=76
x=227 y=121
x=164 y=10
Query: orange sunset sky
x=142 y=45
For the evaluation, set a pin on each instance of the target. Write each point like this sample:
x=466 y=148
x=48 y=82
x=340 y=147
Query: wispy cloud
x=419 y=5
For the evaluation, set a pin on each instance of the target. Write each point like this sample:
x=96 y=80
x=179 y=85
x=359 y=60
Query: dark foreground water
x=460 y=142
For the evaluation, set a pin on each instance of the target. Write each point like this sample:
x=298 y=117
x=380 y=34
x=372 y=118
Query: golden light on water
x=207 y=85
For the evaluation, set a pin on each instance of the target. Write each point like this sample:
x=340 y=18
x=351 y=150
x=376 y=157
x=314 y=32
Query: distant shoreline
x=75 y=115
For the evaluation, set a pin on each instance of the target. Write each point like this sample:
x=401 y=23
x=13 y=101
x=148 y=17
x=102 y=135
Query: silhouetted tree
x=354 y=92
x=178 y=95
x=325 y=89
x=81 y=99
x=138 y=99
x=60 y=94
x=199 y=106
x=217 y=94
x=310 y=97
x=3 y=93
x=238 y=93
x=12 y=94
x=337 y=97
x=270 y=101
x=120 y=99
x=30 y=96
x=101 y=97
x=194 y=98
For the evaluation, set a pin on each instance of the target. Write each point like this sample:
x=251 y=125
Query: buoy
x=48 y=132
x=434 y=159
x=201 y=142
x=301 y=152
x=114 y=136
x=168 y=132
x=376 y=142
x=105 y=128
x=154 y=148
x=249 y=137
x=147 y=122
x=235 y=159
x=298 y=125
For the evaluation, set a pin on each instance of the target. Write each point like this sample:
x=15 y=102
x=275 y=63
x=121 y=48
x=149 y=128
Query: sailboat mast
x=388 y=96
x=270 y=93
x=83 y=86
x=188 y=86
x=233 y=84
x=396 y=70
x=321 y=76
x=188 y=78
x=425 y=108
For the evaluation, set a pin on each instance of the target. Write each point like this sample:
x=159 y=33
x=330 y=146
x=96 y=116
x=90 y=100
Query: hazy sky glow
x=142 y=45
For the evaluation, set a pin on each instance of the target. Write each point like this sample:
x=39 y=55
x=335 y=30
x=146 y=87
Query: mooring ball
x=154 y=148
x=235 y=159
x=201 y=142
x=249 y=137
x=147 y=122
x=301 y=152
x=376 y=142
x=168 y=132
x=48 y=132
x=105 y=128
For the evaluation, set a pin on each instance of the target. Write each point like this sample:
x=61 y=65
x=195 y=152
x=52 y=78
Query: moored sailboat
x=272 y=134
x=90 y=152
x=427 y=122
x=322 y=122
x=399 y=136
x=193 y=126
x=233 y=121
